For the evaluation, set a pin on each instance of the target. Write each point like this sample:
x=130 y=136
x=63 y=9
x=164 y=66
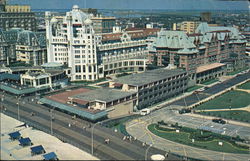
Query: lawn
x=209 y=81
x=190 y=89
x=235 y=99
x=245 y=85
x=184 y=138
x=238 y=115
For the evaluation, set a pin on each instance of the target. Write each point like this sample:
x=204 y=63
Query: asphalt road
x=76 y=134
x=173 y=116
x=189 y=100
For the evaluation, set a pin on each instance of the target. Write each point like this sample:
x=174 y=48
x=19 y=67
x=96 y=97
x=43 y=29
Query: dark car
x=220 y=121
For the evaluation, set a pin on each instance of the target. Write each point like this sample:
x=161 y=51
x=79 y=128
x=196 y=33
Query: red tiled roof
x=195 y=34
x=133 y=32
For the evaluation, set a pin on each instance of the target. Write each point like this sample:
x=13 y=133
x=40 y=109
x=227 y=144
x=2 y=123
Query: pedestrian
x=69 y=125
x=124 y=138
x=135 y=138
x=143 y=144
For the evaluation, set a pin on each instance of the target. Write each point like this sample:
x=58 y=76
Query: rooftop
x=103 y=94
x=208 y=67
x=149 y=76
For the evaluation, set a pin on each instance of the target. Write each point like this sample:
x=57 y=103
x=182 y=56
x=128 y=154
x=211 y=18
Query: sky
x=137 y=4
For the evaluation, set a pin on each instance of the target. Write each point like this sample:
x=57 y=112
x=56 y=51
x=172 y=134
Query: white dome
x=75 y=7
x=88 y=21
x=78 y=15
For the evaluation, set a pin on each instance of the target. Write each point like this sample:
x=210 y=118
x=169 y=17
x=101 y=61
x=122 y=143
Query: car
x=219 y=121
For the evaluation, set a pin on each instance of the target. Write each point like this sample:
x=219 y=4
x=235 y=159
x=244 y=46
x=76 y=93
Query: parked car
x=220 y=121
x=182 y=111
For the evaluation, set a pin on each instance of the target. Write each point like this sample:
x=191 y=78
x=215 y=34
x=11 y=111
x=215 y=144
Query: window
x=77 y=51
x=77 y=56
x=90 y=69
x=78 y=77
x=78 y=69
x=83 y=68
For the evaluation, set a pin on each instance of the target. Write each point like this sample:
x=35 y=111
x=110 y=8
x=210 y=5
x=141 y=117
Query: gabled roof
x=173 y=39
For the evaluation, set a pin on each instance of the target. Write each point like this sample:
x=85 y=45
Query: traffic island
x=199 y=138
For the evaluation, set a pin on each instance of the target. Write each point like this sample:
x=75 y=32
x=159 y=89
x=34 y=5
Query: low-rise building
x=153 y=86
x=30 y=80
x=93 y=104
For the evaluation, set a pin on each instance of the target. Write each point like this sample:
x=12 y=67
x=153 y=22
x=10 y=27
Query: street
x=76 y=134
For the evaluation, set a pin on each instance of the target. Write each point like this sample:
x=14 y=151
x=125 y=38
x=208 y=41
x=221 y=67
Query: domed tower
x=72 y=42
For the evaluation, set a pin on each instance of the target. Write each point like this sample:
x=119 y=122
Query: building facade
x=31 y=48
x=73 y=42
x=17 y=16
x=21 y=45
x=17 y=8
x=200 y=51
x=153 y=86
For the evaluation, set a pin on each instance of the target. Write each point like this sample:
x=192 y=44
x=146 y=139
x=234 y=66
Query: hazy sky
x=137 y=4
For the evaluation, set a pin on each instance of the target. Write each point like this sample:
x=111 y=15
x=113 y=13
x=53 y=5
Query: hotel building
x=72 y=41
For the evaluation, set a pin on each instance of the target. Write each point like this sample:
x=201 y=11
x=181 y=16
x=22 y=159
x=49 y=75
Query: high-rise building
x=17 y=16
x=103 y=24
x=72 y=41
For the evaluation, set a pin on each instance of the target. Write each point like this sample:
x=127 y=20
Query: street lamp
x=92 y=135
x=92 y=138
x=146 y=152
x=18 y=106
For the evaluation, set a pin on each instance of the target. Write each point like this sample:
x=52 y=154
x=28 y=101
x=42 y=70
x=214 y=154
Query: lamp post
x=92 y=138
x=146 y=152
x=18 y=108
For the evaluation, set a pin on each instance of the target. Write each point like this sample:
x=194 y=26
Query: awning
x=37 y=149
x=25 y=141
x=15 y=135
x=208 y=67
